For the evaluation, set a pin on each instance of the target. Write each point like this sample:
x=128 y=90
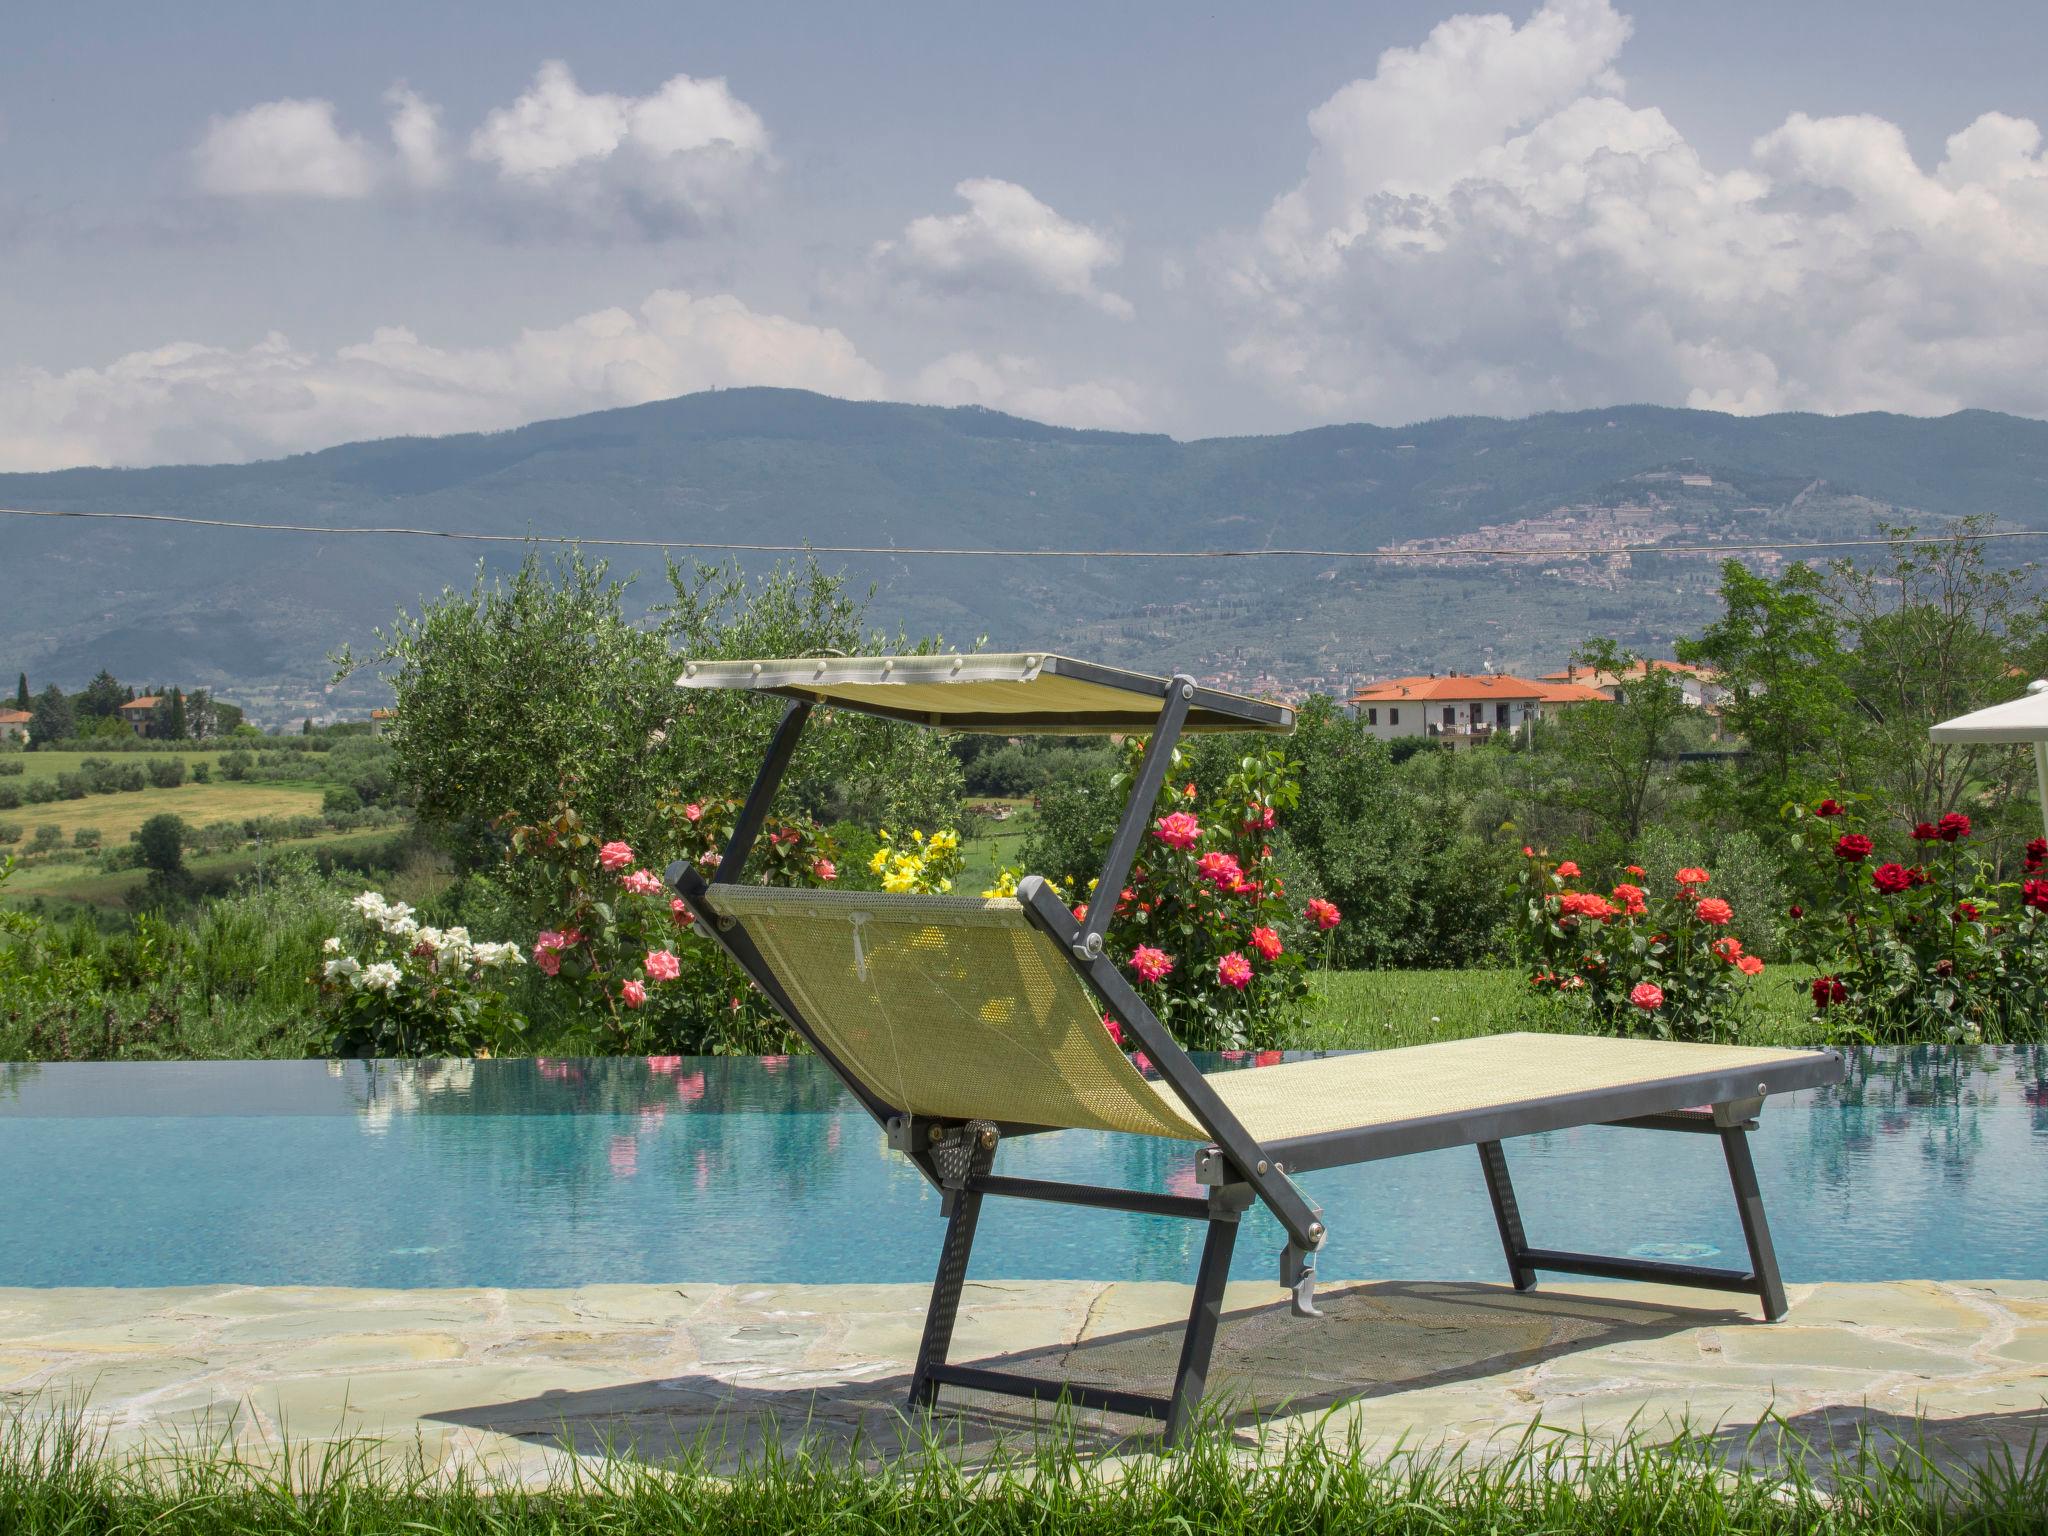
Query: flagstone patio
x=505 y=1379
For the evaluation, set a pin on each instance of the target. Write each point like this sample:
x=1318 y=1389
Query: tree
x=161 y=843
x=102 y=698
x=1609 y=765
x=526 y=690
x=21 y=700
x=54 y=718
x=169 y=716
x=202 y=715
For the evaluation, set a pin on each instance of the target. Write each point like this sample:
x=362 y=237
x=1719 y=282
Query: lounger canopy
x=961 y=1023
x=1021 y=693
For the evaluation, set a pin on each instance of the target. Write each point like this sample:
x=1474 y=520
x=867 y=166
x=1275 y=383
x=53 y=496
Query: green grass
x=1373 y=1009
x=201 y=805
x=56 y=1481
x=981 y=857
x=86 y=885
x=47 y=765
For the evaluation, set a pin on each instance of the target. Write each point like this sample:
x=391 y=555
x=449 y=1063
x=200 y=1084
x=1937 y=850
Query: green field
x=87 y=885
x=1375 y=1009
x=47 y=765
x=981 y=857
x=201 y=805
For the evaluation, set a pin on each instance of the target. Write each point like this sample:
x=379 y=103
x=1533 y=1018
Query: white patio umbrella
x=2017 y=722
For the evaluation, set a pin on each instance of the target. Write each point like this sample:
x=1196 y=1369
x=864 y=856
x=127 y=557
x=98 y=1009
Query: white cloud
x=284 y=148
x=1007 y=239
x=1486 y=224
x=416 y=137
x=689 y=147
x=1018 y=385
x=685 y=153
x=193 y=403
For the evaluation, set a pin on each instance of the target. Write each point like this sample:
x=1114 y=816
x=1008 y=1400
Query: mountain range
x=254 y=614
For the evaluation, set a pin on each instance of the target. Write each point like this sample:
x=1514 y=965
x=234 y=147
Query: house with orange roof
x=1700 y=685
x=141 y=713
x=1459 y=709
x=14 y=724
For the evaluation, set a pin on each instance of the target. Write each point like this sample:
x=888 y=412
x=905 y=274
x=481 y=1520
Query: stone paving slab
x=503 y=1381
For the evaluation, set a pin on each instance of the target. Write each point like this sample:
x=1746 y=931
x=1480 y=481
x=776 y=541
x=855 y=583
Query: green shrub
x=85 y=837
x=73 y=786
x=12 y=768
x=47 y=839
x=237 y=764
x=339 y=800
x=10 y=832
x=166 y=772
x=202 y=772
x=10 y=797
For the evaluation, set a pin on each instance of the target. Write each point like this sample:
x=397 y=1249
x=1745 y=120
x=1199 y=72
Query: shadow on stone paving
x=1828 y=1441
x=1373 y=1341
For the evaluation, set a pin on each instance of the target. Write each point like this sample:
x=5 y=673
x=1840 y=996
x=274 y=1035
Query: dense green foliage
x=56 y=1480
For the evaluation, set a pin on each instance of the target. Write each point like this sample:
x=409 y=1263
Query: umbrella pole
x=2041 y=781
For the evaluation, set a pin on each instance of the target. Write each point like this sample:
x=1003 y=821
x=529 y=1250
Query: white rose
x=370 y=904
x=381 y=977
x=332 y=946
x=344 y=967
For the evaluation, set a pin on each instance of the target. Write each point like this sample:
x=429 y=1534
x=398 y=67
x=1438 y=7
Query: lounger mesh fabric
x=951 y=1007
x=1451 y=1077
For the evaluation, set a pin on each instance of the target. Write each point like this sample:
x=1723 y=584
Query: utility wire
x=1748 y=547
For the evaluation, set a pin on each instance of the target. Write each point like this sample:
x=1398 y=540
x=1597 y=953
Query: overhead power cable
x=1757 y=546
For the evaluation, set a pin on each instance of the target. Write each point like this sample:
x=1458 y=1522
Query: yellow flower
x=881 y=857
x=945 y=842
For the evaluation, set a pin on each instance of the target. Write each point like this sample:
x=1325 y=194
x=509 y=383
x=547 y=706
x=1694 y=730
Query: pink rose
x=550 y=963
x=632 y=993
x=825 y=869
x=1151 y=964
x=1647 y=996
x=662 y=1066
x=1324 y=914
x=1178 y=830
x=693 y=812
x=643 y=882
x=682 y=912
x=1220 y=869
x=1116 y=1030
x=1233 y=970
x=615 y=855
x=662 y=965
x=1267 y=942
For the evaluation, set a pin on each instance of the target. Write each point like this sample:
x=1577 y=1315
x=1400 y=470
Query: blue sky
x=238 y=230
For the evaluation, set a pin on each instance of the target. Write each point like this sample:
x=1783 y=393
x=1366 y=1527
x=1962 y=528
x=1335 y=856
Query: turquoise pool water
x=1924 y=1164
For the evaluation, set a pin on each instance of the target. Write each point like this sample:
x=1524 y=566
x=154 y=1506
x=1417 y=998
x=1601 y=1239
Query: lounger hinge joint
x=1298 y=1278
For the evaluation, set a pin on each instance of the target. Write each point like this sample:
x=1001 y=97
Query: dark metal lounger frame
x=958 y=1157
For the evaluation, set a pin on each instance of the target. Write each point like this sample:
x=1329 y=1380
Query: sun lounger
x=961 y=1023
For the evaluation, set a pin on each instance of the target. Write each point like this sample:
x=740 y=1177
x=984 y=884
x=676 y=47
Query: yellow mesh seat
x=951 y=1007
x=1457 y=1077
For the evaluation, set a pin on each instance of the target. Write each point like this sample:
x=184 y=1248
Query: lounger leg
x=1203 y=1318
x=945 y=1306
x=1756 y=1231
x=1493 y=1161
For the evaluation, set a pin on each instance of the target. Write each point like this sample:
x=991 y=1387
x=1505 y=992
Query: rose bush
x=1925 y=944
x=394 y=987
x=1664 y=963
x=622 y=953
x=1204 y=924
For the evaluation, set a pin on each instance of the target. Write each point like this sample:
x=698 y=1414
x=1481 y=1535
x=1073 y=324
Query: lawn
x=982 y=856
x=90 y=886
x=47 y=765
x=1374 y=1009
x=119 y=814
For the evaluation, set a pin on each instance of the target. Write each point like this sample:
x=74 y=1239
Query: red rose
x=1924 y=832
x=1829 y=808
x=1716 y=911
x=1795 y=911
x=2035 y=894
x=1853 y=847
x=1647 y=996
x=1954 y=827
x=1966 y=911
x=1567 y=870
x=1891 y=878
x=1827 y=991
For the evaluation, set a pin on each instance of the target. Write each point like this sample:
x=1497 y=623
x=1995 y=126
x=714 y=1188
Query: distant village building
x=141 y=713
x=1700 y=685
x=1458 y=710
x=1558 y=696
x=380 y=720
x=14 y=724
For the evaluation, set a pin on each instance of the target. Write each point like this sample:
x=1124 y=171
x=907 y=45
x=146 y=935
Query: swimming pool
x=1925 y=1164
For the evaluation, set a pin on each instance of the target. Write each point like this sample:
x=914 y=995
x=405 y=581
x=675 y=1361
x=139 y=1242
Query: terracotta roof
x=147 y=701
x=1452 y=689
x=383 y=714
x=15 y=717
x=1573 y=693
x=1633 y=669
